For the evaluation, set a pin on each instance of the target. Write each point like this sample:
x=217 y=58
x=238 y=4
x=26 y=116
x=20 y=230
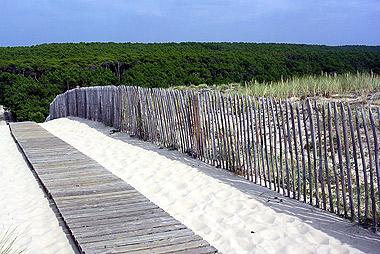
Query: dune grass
x=325 y=85
x=8 y=240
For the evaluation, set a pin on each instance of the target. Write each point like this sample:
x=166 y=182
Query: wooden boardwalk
x=103 y=213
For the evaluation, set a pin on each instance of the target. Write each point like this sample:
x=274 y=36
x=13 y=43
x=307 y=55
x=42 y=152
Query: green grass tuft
x=8 y=240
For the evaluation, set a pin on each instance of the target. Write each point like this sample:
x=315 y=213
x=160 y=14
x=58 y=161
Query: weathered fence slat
x=348 y=161
x=289 y=139
x=320 y=177
x=340 y=158
x=275 y=145
x=265 y=142
x=371 y=180
x=307 y=147
x=327 y=171
x=354 y=152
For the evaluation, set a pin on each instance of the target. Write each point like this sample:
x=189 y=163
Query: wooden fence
x=324 y=154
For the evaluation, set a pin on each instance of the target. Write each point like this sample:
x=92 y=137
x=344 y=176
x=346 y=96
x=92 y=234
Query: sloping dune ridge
x=227 y=218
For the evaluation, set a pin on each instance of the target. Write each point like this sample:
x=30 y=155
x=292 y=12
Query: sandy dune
x=229 y=219
x=23 y=207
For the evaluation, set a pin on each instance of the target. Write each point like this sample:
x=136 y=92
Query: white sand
x=23 y=206
x=218 y=212
x=2 y=122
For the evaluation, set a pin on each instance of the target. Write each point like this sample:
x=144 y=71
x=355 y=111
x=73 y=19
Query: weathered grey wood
x=332 y=152
x=257 y=152
x=348 y=162
x=250 y=137
x=340 y=158
x=285 y=138
x=100 y=210
x=377 y=166
x=127 y=226
x=225 y=130
x=231 y=132
x=321 y=178
x=295 y=150
x=280 y=148
x=105 y=201
x=272 y=146
x=314 y=145
x=163 y=243
x=262 y=150
x=237 y=133
x=265 y=143
x=195 y=246
x=245 y=142
x=354 y=152
x=275 y=145
x=289 y=133
x=371 y=180
x=325 y=155
x=108 y=241
x=364 y=168
x=305 y=117
x=302 y=153
x=206 y=128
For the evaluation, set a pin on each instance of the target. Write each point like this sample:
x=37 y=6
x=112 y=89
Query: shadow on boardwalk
x=339 y=228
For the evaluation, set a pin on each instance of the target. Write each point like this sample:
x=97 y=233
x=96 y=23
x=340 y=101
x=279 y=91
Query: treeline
x=30 y=77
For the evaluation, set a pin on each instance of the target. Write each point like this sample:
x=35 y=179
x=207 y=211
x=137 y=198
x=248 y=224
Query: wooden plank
x=109 y=241
x=144 y=246
x=101 y=211
x=105 y=222
x=179 y=247
x=127 y=226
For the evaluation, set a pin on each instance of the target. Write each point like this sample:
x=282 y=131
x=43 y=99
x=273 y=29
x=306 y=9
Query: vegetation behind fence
x=324 y=154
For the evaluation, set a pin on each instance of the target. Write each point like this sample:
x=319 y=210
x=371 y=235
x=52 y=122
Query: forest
x=31 y=76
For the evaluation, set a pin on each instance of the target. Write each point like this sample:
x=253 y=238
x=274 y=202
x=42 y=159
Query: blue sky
x=330 y=22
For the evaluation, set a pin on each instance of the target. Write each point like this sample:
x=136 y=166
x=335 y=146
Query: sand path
x=228 y=218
